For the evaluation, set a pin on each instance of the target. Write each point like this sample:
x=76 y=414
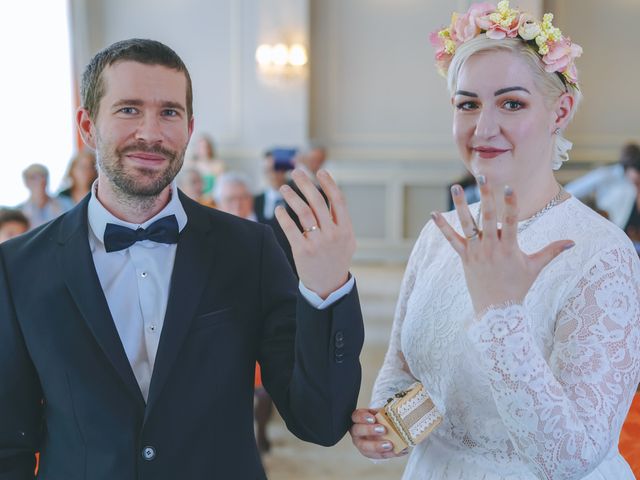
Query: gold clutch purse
x=409 y=416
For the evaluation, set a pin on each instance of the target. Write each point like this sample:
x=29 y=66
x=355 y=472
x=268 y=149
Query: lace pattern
x=538 y=389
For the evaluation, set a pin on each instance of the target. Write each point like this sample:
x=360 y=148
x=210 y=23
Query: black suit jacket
x=68 y=391
x=281 y=238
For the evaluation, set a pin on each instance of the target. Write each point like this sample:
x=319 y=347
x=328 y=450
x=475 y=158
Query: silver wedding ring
x=312 y=228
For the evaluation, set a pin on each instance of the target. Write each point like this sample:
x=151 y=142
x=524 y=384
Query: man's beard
x=130 y=184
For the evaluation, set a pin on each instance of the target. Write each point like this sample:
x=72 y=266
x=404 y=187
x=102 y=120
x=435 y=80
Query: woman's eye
x=467 y=106
x=513 y=105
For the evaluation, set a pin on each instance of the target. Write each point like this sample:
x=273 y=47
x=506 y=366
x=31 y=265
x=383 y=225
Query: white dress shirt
x=272 y=198
x=136 y=284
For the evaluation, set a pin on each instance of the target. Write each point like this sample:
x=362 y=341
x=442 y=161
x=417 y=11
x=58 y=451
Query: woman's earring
x=557 y=131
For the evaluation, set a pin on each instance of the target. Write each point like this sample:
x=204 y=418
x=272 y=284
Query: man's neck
x=132 y=209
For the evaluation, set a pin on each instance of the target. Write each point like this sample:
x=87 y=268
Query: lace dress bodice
x=532 y=390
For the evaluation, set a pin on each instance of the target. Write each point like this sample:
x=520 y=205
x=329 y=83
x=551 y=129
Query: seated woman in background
x=80 y=176
x=519 y=314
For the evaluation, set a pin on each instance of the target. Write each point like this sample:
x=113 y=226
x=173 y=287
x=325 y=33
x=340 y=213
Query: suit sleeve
x=309 y=358
x=20 y=394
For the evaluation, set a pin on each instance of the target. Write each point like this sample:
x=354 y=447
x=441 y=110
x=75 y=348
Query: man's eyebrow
x=510 y=89
x=466 y=94
x=127 y=101
x=174 y=105
x=137 y=102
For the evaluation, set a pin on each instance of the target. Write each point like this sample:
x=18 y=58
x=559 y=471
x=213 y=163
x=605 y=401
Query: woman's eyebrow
x=466 y=94
x=510 y=89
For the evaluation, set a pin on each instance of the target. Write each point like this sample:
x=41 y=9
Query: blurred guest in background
x=40 y=207
x=80 y=176
x=631 y=163
x=190 y=182
x=12 y=223
x=232 y=194
x=610 y=188
x=205 y=160
x=312 y=160
x=275 y=173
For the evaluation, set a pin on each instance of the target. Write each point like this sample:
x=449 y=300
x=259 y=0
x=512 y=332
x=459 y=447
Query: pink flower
x=443 y=59
x=498 y=32
x=438 y=43
x=479 y=14
x=465 y=27
x=560 y=57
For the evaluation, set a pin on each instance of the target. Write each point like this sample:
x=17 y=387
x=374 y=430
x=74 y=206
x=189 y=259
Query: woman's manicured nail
x=456 y=190
x=481 y=180
x=387 y=446
x=434 y=216
x=508 y=191
x=379 y=429
x=370 y=420
x=568 y=246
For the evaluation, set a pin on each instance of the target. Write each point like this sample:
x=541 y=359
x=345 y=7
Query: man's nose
x=149 y=129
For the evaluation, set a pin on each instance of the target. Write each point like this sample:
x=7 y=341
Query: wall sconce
x=281 y=58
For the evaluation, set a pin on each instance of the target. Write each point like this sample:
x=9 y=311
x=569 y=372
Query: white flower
x=528 y=28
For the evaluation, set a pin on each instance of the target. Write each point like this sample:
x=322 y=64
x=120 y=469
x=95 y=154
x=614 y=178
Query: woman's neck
x=531 y=197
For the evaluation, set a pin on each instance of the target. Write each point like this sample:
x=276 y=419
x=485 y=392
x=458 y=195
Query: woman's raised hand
x=367 y=435
x=497 y=271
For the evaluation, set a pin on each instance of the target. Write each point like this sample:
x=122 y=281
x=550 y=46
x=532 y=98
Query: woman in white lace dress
x=521 y=314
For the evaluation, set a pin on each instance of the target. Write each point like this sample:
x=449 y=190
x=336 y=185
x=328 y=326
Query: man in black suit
x=130 y=326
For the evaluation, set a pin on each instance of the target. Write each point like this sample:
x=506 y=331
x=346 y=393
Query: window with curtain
x=37 y=94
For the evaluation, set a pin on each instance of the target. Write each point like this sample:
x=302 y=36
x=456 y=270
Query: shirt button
x=152 y=328
x=148 y=453
x=143 y=274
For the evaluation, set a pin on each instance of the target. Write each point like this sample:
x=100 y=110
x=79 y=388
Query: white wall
x=372 y=95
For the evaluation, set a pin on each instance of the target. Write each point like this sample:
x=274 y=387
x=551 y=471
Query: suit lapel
x=194 y=255
x=80 y=275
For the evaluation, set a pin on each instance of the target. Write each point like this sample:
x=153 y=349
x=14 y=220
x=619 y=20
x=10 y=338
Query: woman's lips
x=488 y=152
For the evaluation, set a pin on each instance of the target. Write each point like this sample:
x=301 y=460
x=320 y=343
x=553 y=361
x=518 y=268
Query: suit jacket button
x=148 y=453
x=339 y=357
x=339 y=339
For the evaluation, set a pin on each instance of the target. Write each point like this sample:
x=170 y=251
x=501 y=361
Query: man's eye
x=170 y=113
x=467 y=106
x=128 y=110
x=513 y=105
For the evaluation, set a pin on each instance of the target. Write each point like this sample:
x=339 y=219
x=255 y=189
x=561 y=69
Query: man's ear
x=563 y=108
x=190 y=127
x=86 y=127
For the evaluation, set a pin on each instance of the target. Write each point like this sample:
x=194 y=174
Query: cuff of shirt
x=314 y=299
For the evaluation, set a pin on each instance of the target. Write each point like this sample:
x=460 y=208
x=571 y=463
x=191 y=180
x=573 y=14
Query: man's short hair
x=8 y=215
x=149 y=52
x=230 y=178
x=630 y=156
x=35 y=168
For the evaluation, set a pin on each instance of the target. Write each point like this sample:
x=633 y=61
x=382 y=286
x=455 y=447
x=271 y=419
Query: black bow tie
x=164 y=230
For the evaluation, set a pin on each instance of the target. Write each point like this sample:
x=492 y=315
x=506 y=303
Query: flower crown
x=557 y=52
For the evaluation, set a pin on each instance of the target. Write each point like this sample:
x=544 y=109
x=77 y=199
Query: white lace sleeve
x=565 y=415
x=394 y=375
